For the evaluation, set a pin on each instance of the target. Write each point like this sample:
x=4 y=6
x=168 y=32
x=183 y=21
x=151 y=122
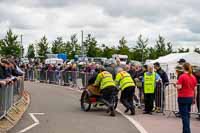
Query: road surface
x=62 y=113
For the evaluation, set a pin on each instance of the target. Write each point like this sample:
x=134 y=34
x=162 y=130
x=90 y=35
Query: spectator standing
x=186 y=85
x=133 y=74
x=138 y=82
x=132 y=71
x=150 y=79
x=111 y=67
x=160 y=89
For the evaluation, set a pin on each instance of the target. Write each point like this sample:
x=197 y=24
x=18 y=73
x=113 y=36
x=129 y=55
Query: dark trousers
x=148 y=101
x=184 y=109
x=127 y=97
x=107 y=95
x=198 y=99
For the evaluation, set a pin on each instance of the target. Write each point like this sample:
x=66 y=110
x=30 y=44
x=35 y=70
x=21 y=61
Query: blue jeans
x=184 y=109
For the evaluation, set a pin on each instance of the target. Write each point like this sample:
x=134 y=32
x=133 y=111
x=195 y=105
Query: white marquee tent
x=169 y=62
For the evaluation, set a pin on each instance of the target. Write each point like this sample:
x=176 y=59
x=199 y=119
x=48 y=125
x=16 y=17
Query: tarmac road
x=63 y=114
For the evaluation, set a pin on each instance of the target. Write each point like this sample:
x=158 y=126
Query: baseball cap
x=182 y=60
x=156 y=64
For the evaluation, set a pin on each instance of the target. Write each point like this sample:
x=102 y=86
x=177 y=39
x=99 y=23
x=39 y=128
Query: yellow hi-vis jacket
x=104 y=79
x=149 y=83
x=124 y=80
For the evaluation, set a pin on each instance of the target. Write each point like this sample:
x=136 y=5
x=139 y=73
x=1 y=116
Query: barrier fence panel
x=10 y=94
x=171 y=98
x=171 y=102
x=51 y=77
x=64 y=78
x=159 y=96
x=2 y=100
x=42 y=74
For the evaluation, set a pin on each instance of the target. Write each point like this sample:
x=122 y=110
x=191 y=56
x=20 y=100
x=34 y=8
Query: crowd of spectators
x=9 y=70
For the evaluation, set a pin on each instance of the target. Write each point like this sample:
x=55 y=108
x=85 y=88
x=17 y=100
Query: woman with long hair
x=186 y=86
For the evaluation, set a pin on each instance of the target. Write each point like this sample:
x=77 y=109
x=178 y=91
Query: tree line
x=140 y=51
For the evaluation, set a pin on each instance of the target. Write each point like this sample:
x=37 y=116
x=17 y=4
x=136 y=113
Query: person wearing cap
x=159 y=91
x=181 y=61
x=150 y=78
x=127 y=87
x=107 y=87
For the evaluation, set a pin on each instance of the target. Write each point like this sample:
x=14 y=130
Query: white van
x=54 y=61
x=123 y=58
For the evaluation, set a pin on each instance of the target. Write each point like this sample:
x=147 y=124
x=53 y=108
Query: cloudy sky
x=108 y=20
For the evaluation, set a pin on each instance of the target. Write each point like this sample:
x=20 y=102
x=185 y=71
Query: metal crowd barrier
x=10 y=95
x=159 y=97
x=68 y=78
x=171 y=102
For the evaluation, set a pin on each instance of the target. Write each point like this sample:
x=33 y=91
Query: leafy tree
x=197 y=50
x=10 y=46
x=169 y=48
x=66 y=48
x=76 y=49
x=162 y=48
x=31 y=51
x=152 y=53
x=183 y=50
x=71 y=47
x=108 y=51
x=57 y=45
x=42 y=47
x=140 y=50
x=91 y=46
x=123 y=48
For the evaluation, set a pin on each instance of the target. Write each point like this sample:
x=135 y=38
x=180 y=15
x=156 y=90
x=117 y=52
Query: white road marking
x=36 y=122
x=134 y=122
x=130 y=119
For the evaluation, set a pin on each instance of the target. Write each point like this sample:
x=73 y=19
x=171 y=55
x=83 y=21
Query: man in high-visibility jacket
x=127 y=87
x=150 y=78
x=107 y=87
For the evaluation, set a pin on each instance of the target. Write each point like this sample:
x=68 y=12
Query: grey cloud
x=193 y=24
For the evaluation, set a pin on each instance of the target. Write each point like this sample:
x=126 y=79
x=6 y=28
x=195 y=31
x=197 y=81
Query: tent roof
x=191 y=57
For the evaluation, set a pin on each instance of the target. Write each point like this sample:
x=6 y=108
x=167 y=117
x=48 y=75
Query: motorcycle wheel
x=85 y=103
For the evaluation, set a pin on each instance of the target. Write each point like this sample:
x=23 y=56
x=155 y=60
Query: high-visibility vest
x=149 y=83
x=124 y=80
x=104 y=79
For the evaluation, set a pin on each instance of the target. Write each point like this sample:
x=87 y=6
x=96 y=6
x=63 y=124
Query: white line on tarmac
x=130 y=119
x=36 y=122
x=134 y=122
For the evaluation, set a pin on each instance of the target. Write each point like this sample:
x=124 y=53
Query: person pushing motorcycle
x=107 y=87
x=127 y=87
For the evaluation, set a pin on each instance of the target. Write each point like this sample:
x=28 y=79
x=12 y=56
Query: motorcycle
x=88 y=99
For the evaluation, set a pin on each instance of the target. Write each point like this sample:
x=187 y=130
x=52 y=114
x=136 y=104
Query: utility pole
x=142 y=53
x=21 y=39
x=82 y=47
